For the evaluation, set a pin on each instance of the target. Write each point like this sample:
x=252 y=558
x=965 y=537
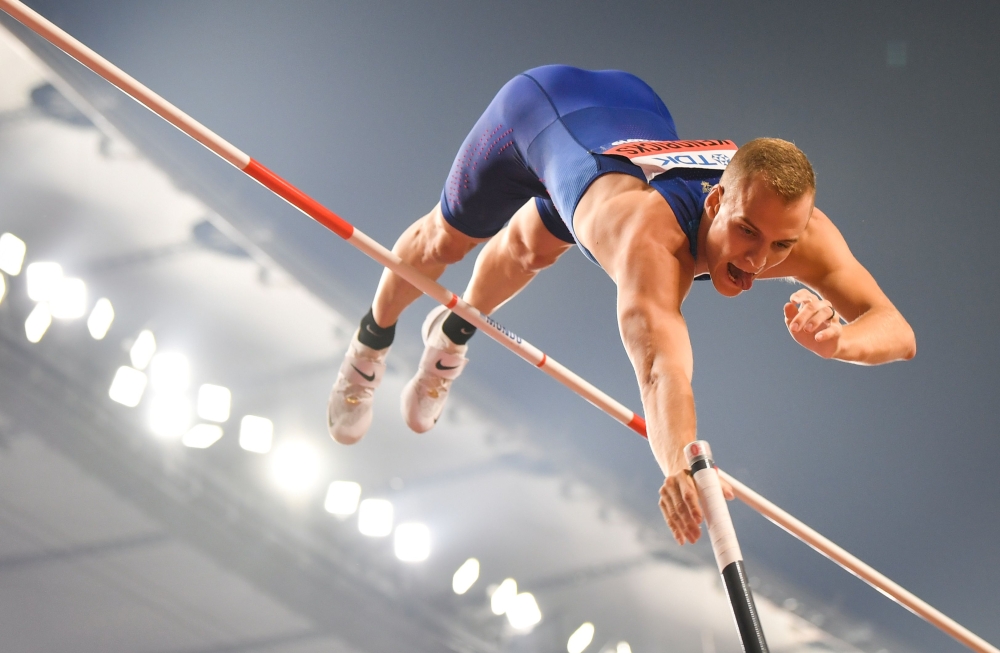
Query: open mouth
x=740 y=278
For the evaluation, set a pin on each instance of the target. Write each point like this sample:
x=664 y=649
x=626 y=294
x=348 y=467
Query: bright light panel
x=523 y=612
x=142 y=350
x=127 y=386
x=375 y=517
x=12 y=250
x=100 y=319
x=466 y=576
x=581 y=638
x=170 y=372
x=3 y=287
x=623 y=647
x=170 y=415
x=43 y=278
x=69 y=299
x=214 y=402
x=294 y=466
x=38 y=322
x=412 y=542
x=503 y=595
x=342 y=498
x=256 y=434
x=202 y=436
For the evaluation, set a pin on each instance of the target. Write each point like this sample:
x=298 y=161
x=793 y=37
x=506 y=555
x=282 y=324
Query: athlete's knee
x=446 y=249
x=432 y=240
x=537 y=261
x=528 y=257
x=445 y=243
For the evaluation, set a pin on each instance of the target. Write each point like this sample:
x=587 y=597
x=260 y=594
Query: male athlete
x=565 y=156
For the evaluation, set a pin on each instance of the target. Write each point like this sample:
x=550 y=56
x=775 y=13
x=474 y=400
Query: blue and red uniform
x=542 y=136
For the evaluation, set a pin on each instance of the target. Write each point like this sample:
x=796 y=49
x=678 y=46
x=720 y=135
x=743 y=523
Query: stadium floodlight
x=42 y=279
x=256 y=434
x=12 y=250
x=127 y=386
x=142 y=349
x=466 y=576
x=375 y=517
x=69 y=299
x=214 y=402
x=170 y=373
x=170 y=416
x=412 y=542
x=623 y=647
x=581 y=638
x=523 y=613
x=38 y=322
x=101 y=318
x=503 y=595
x=202 y=436
x=294 y=466
x=342 y=498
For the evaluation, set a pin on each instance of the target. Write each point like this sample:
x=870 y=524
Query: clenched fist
x=813 y=323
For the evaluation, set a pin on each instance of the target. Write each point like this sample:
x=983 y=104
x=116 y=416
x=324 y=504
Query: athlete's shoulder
x=619 y=215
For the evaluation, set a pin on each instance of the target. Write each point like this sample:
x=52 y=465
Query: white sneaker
x=349 y=411
x=424 y=396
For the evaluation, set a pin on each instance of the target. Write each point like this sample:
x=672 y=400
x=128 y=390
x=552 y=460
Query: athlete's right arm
x=656 y=338
x=629 y=241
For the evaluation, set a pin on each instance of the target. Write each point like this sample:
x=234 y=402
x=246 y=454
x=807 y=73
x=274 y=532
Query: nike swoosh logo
x=443 y=368
x=367 y=377
x=466 y=332
x=368 y=328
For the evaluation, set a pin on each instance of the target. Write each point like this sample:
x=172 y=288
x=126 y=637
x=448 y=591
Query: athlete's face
x=753 y=229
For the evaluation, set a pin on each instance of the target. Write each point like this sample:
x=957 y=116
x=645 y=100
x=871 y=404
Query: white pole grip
x=717 y=519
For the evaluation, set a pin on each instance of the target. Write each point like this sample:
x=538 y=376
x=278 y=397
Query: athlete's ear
x=714 y=200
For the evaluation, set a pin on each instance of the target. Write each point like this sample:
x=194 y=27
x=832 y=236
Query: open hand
x=813 y=323
x=680 y=507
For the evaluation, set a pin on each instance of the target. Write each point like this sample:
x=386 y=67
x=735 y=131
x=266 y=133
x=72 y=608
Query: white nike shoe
x=424 y=396
x=349 y=411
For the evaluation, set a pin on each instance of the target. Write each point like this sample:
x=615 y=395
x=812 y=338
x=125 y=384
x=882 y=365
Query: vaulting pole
x=725 y=546
x=140 y=93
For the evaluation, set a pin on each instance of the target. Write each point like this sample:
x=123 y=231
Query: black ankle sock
x=374 y=336
x=458 y=330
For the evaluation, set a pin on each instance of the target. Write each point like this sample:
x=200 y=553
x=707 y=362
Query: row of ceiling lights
x=294 y=464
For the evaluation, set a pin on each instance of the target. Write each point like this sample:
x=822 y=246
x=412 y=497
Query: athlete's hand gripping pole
x=725 y=546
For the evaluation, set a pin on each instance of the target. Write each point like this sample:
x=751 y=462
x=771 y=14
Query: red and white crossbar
x=143 y=95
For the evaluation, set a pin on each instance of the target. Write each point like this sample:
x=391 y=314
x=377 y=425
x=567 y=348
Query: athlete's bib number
x=657 y=157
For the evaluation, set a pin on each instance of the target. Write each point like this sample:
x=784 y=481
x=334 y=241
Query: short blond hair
x=784 y=167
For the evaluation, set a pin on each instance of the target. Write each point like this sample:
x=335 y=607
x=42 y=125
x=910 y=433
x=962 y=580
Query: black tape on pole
x=744 y=609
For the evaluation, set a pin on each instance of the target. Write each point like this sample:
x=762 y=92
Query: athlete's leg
x=509 y=261
x=488 y=182
x=512 y=258
x=430 y=245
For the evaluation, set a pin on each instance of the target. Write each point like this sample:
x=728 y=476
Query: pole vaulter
x=707 y=477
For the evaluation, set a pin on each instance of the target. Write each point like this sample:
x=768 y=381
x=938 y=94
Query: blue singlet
x=539 y=139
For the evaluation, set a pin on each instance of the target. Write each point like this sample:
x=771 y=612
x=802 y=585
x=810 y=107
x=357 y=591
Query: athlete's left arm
x=875 y=331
